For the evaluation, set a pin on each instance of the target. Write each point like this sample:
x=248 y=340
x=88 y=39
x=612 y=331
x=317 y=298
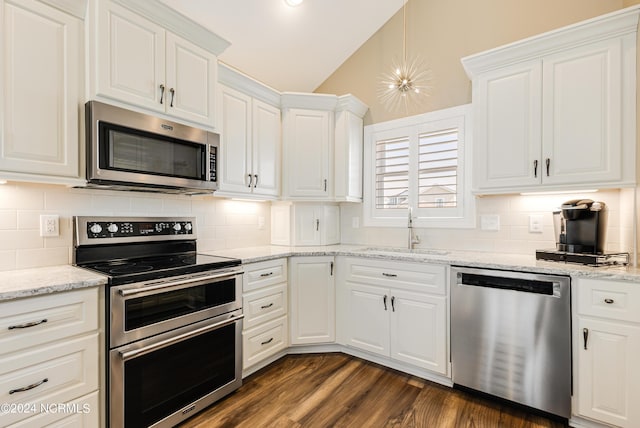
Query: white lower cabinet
x=264 y=302
x=397 y=310
x=49 y=360
x=608 y=344
x=312 y=309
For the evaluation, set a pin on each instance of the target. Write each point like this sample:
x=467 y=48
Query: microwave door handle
x=163 y=285
x=127 y=355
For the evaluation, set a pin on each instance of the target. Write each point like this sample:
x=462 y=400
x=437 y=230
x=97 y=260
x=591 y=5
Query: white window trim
x=410 y=127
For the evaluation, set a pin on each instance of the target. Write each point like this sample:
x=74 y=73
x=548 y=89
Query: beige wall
x=443 y=31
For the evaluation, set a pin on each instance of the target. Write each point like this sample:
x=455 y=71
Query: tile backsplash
x=513 y=235
x=222 y=223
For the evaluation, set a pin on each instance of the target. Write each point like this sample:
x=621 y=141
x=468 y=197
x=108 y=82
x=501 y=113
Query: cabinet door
x=330 y=225
x=42 y=85
x=507 y=107
x=582 y=98
x=418 y=330
x=312 y=300
x=130 y=58
x=307 y=225
x=608 y=372
x=235 y=150
x=307 y=153
x=191 y=75
x=266 y=149
x=368 y=318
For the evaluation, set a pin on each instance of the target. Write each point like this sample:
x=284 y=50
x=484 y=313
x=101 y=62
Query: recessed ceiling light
x=293 y=3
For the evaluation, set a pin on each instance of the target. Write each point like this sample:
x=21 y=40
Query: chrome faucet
x=413 y=239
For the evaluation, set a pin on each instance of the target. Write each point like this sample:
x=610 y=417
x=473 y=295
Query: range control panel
x=121 y=230
x=115 y=229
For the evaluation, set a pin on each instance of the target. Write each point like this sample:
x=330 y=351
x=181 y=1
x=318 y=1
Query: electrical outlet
x=49 y=225
x=490 y=222
x=535 y=224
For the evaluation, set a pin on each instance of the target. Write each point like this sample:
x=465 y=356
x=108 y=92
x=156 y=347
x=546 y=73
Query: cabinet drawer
x=412 y=276
x=38 y=320
x=264 y=305
x=609 y=299
x=264 y=341
x=263 y=274
x=54 y=373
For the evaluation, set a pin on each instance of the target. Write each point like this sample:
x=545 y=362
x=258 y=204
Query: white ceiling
x=289 y=48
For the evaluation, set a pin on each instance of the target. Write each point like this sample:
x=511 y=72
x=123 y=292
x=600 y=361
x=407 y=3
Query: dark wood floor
x=337 y=390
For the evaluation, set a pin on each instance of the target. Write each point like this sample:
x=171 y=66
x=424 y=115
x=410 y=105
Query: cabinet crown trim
x=77 y=8
x=178 y=24
x=309 y=101
x=237 y=80
x=615 y=24
x=351 y=103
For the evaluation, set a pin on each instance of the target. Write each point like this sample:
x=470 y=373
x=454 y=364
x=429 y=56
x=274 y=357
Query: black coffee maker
x=581 y=227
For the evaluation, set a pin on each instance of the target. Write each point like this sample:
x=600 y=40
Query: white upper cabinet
x=250 y=152
x=557 y=111
x=138 y=61
x=305 y=224
x=41 y=92
x=322 y=147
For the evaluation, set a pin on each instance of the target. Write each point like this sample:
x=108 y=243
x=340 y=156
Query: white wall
x=221 y=223
x=513 y=236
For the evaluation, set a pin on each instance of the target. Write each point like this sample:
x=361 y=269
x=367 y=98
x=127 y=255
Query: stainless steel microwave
x=127 y=150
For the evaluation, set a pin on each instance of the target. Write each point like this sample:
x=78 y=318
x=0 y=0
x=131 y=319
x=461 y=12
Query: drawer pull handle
x=263 y=275
x=609 y=301
x=266 y=342
x=390 y=275
x=266 y=306
x=27 y=388
x=27 y=325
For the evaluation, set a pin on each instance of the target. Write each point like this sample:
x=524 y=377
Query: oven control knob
x=177 y=227
x=113 y=228
x=95 y=228
x=188 y=227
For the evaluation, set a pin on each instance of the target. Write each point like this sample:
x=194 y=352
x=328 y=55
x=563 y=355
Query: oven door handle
x=127 y=355
x=125 y=292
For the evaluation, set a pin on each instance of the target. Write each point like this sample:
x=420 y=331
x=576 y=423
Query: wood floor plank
x=336 y=390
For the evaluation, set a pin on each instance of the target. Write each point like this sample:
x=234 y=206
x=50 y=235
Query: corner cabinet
x=322 y=147
x=557 y=111
x=41 y=93
x=137 y=61
x=396 y=310
x=313 y=307
x=303 y=223
x=606 y=351
x=250 y=149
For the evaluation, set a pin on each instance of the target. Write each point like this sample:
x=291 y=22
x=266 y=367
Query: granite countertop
x=15 y=284
x=32 y=282
x=464 y=258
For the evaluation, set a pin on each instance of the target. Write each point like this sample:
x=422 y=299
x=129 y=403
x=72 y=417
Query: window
x=420 y=163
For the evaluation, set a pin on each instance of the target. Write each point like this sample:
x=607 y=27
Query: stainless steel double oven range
x=173 y=318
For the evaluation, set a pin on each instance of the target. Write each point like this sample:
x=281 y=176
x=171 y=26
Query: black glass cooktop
x=124 y=271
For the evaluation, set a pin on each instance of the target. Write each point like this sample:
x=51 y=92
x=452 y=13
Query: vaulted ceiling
x=289 y=48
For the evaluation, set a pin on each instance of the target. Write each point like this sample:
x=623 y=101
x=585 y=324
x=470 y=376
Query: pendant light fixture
x=408 y=83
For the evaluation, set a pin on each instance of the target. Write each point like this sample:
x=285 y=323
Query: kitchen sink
x=405 y=251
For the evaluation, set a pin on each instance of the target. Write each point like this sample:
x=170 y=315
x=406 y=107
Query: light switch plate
x=490 y=222
x=49 y=225
x=535 y=223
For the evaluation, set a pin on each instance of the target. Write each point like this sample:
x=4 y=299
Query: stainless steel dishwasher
x=511 y=336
